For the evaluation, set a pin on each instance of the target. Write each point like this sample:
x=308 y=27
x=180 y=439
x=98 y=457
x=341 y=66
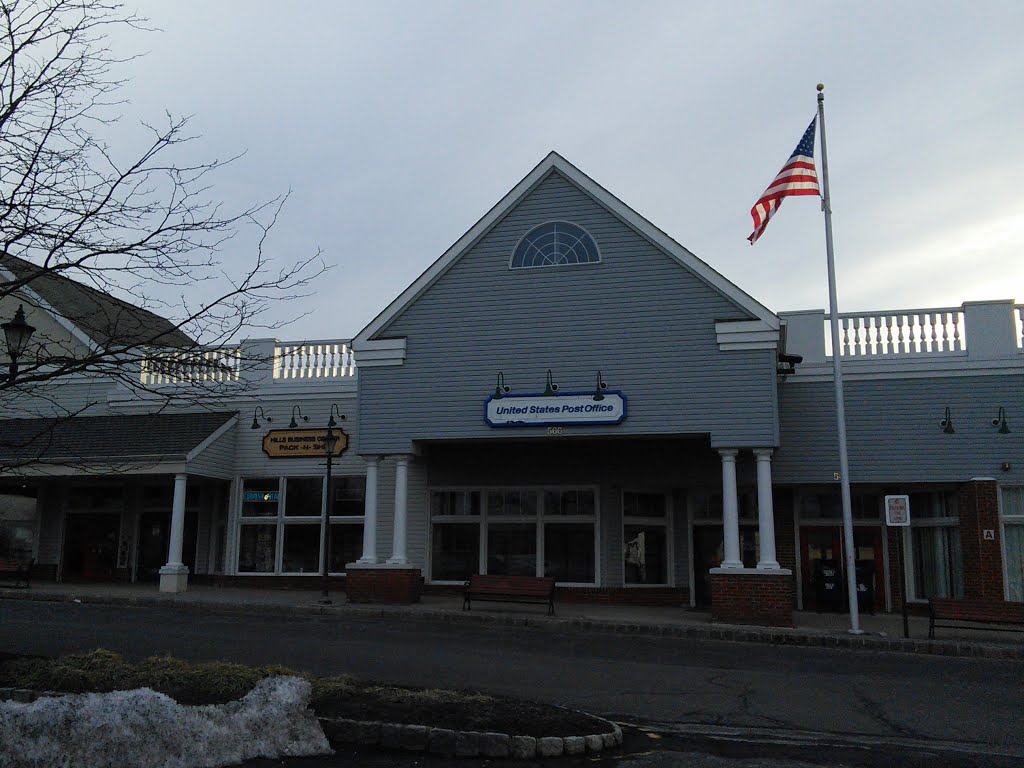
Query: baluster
x=935 y=332
x=876 y=321
x=957 y=341
x=946 y=316
x=288 y=362
x=859 y=335
x=332 y=370
x=846 y=337
x=888 y=321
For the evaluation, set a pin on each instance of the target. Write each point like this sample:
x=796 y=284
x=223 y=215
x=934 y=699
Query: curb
x=715 y=632
x=451 y=743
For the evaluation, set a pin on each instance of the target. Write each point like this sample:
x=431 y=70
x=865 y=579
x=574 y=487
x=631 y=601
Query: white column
x=174 y=575
x=730 y=510
x=370 y=516
x=765 y=512
x=398 y=556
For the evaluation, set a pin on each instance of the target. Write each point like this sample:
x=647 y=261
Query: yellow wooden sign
x=302 y=443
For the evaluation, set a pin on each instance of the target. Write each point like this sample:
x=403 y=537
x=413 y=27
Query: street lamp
x=17 y=333
x=330 y=443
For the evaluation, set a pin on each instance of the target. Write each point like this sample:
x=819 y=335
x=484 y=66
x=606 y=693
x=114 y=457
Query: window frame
x=552 y=222
x=281 y=520
x=666 y=522
x=1006 y=520
x=540 y=520
x=907 y=541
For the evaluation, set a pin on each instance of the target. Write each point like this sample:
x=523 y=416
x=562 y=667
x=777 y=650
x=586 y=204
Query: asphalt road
x=682 y=690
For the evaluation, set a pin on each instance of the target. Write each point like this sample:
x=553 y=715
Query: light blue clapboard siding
x=646 y=322
x=218 y=458
x=74 y=396
x=894 y=433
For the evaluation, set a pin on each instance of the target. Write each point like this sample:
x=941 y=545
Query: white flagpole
x=844 y=464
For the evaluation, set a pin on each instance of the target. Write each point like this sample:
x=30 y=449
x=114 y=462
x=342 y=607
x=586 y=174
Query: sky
x=396 y=125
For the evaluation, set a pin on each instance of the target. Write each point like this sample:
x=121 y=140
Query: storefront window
x=17 y=526
x=301 y=553
x=936 y=556
x=257 y=546
x=1013 y=540
x=512 y=549
x=569 y=552
x=645 y=538
x=455 y=553
x=304 y=496
x=260 y=497
x=525 y=531
x=293 y=514
x=349 y=496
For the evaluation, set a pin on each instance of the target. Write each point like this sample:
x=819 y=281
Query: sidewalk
x=882 y=632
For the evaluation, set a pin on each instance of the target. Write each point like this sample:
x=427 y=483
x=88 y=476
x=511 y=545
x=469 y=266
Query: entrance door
x=824 y=570
x=90 y=546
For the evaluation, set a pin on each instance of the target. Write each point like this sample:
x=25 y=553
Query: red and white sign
x=897 y=511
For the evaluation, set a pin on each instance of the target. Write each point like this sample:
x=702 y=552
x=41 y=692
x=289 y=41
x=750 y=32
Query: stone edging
x=726 y=632
x=451 y=743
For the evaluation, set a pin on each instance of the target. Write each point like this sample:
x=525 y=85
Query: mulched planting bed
x=195 y=683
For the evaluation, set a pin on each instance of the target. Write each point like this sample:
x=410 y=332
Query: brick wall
x=384 y=585
x=677 y=596
x=983 y=561
x=747 y=598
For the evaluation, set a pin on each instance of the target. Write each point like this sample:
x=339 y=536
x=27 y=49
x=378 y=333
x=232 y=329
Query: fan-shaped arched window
x=555 y=243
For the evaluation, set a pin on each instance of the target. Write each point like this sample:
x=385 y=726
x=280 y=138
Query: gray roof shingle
x=99 y=438
x=106 y=320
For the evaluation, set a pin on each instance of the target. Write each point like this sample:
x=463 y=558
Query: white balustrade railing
x=1018 y=318
x=304 y=360
x=192 y=366
x=901 y=332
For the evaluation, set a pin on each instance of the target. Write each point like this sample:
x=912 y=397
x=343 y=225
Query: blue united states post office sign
x=548 y=410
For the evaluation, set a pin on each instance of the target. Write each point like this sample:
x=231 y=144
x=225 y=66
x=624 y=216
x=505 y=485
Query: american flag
x=797 y=177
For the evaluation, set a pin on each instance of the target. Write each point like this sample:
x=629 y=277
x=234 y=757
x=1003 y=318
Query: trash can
x=829 y=585
x=865 y=570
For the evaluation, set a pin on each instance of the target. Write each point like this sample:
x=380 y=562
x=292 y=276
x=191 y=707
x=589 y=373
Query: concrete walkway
x=881 y=631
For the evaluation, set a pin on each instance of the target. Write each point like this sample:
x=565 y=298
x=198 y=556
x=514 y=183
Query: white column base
x=397 y=561
x=173 y=578
x=363 y=561
x=768 y=565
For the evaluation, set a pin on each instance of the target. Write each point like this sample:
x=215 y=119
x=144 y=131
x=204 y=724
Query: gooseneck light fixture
x=334 y=410
x=258 y=414
x=1000 y=421
x=599 y=388
x=499 y=388
x=550 y=388
x=947 y=423
x=17 y=332
x=294 y=423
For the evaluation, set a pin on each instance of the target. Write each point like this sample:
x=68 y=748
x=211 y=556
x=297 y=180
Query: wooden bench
x=21 y=569
x=974 y=614
x=510 y=589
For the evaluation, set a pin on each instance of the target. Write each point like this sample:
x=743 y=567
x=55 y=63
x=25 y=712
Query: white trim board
x=555 y=162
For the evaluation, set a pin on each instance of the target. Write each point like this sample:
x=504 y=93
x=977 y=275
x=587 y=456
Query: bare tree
x=143 y=225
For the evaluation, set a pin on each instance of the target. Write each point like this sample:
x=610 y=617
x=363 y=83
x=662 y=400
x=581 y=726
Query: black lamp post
x=17 y=333
x=330 y=443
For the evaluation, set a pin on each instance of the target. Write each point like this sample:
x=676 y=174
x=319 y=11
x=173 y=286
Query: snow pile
x=146 y=728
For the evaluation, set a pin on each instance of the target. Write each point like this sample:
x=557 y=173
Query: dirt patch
x=194 y=683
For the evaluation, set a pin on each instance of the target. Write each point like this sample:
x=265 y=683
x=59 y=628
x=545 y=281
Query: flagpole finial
x=821 y=87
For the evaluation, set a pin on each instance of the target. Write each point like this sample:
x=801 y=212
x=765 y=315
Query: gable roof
x=97 y=438
x=555 y=162
x=104 y=319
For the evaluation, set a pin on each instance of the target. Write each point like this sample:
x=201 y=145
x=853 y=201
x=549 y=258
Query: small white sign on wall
x=897 y=511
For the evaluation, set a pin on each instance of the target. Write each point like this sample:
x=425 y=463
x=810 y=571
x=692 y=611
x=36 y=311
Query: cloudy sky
x=398 y=124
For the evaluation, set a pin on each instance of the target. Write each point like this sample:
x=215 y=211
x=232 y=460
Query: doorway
x=823 y=570
x=90 y=546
